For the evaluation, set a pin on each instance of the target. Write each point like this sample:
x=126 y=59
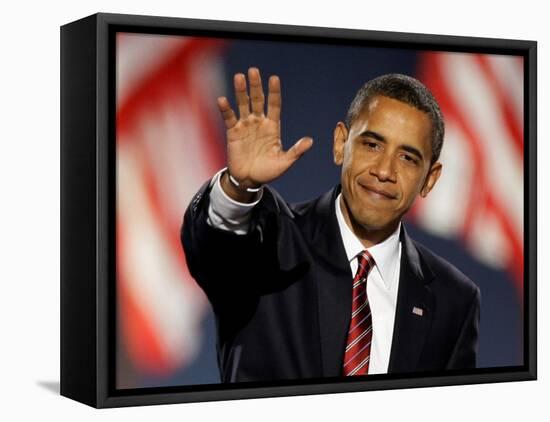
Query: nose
x=384 y=168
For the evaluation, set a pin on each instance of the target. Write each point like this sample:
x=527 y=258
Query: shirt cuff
x=227 y=214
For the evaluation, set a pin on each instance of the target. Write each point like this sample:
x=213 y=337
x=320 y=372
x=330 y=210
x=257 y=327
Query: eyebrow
x=375 y=135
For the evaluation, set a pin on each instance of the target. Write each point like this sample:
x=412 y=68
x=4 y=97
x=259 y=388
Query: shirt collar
x=385 y=254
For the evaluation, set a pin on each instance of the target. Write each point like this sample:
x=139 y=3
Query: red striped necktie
x=357 y=355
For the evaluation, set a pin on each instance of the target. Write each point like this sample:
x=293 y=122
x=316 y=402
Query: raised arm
x=255 y=154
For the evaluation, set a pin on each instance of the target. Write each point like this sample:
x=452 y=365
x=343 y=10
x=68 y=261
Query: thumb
x=299 y=148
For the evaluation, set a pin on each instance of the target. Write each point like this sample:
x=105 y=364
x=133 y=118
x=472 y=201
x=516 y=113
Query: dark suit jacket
x=282 y=293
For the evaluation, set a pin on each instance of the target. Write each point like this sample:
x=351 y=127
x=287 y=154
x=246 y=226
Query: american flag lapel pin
x=418 y=311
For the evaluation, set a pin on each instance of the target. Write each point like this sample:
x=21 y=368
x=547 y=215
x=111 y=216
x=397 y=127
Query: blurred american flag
x=479 y=197
x=168 y=144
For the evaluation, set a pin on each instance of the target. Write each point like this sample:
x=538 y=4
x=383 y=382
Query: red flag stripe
x=482 y=196
x=509 y=118
x=143 y=344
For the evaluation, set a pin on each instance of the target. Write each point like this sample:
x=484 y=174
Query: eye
x=373 y=145
x=410 y=159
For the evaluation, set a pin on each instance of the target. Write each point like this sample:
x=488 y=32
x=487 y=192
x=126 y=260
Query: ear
x=340 y=136
x=431 y=178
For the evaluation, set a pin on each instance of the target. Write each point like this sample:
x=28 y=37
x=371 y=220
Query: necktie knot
x=365 y=264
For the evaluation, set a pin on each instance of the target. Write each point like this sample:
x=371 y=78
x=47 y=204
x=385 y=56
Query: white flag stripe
x=510 y=78
x=477 y=102
x=131 y=66
x=171 y=135
x=177 y=177
x=488 y=241
x=150 y=267
x=444 y=210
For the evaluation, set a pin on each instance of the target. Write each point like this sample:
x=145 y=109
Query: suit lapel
x=334 y=282
x=414 y=309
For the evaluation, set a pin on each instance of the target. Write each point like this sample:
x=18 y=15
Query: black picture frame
x=88 y=191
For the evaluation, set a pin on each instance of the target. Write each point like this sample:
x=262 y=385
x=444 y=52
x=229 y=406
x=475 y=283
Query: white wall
x=29 y=174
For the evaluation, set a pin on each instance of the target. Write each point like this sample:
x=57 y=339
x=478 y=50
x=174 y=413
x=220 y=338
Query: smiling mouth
x=378 y=193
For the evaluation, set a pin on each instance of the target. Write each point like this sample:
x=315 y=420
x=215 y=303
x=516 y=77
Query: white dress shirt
x=382 y=283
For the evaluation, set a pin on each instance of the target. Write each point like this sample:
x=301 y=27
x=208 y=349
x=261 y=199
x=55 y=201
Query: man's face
x=385 y=158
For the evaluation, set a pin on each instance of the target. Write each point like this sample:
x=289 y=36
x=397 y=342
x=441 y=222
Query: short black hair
x=408 y=90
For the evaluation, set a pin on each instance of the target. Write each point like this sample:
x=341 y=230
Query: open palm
x=255 y=152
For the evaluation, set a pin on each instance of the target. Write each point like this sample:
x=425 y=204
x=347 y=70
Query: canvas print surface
x=170 y=140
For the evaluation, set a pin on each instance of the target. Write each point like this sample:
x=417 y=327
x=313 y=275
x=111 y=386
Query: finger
x=227 y=112
x=256 y=92
x=298 y=149
x=239 y=81
x=274 y=98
